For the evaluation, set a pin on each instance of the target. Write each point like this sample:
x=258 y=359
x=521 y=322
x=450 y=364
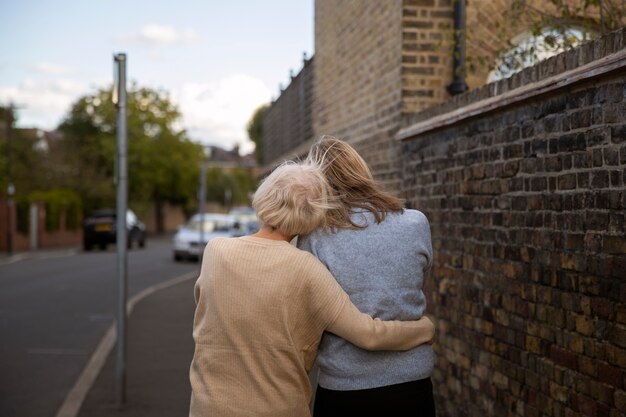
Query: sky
x=218 y=60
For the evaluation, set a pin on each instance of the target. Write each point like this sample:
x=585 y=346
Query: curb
x=75 y=397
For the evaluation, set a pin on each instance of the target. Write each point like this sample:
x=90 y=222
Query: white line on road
x=38 y=255
x=51 y=351
x=76 y=396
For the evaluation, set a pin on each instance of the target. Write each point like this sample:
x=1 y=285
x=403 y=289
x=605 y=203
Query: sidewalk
x=159 y=351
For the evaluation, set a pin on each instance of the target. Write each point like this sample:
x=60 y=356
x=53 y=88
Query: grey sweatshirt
x=382 y=269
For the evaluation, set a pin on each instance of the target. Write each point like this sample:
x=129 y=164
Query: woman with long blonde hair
x=379 y=253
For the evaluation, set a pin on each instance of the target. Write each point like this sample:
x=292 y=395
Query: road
x=53 y=313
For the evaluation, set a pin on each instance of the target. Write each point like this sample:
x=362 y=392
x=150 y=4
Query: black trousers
x=414 y=399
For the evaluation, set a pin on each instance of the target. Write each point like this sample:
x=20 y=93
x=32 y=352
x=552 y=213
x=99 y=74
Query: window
x=530 y=48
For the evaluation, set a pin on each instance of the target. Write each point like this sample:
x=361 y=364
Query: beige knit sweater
x=262 y=306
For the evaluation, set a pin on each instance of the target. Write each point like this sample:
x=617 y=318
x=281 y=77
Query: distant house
x=222 y=158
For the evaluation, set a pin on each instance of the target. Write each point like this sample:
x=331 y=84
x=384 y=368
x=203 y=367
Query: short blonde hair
x=293 y=199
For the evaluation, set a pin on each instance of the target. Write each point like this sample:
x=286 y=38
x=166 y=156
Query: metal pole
x=10 y=186
x=458 y=85
x=201 y=203
x=122 y=259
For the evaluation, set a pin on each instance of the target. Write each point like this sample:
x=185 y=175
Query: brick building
x=523 y=181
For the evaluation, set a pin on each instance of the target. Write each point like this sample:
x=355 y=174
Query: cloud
x=47 y=68
x=160 y=35
x=213 y=112
x=42 y=103
x=218 y=112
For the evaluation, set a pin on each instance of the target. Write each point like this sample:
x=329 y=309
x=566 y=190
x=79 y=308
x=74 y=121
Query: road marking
x=50 y=351
x=100 y=317
x=35 y=255
x=14 y=258
x=70 y=252
x=76 y=396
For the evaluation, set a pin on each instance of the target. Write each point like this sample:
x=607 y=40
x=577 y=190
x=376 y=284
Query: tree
x=163 y=164
x=28 y=161
x=230 y=187
x=255 y=132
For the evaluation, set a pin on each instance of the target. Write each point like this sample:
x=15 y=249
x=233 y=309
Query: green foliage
x=163 y=163
x=230 y=187
x=22 y=208
x=28 y=163
x=255 y=132
x=58 y=201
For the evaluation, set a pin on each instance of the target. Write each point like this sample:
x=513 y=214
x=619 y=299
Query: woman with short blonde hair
x=263 y=304
x=294 y=202
x=380 y=254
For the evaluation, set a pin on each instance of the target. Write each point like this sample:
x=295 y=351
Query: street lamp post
x=119 y=99
x=10 y=186
x=202 y=197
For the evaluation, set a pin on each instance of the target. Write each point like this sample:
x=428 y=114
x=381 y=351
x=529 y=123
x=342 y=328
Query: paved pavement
x=160 y=349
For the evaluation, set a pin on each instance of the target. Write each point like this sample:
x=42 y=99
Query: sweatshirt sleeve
x=424 y=240
x=332 y=310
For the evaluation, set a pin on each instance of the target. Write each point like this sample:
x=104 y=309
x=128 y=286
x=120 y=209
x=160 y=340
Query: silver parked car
x=246 y=218
x=190 y=240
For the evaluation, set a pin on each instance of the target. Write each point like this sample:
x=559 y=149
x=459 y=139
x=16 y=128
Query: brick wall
x=527 y=204
x=483 y=24
x=426 y=57
x=62 y=237
x=358 y=78
x=20 y=242
x=171 y=217
x=287 y=122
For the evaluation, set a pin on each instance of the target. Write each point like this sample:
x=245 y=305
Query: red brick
x=611 y=375
x=563 y=357
x=617 y=335
x=585 y=325
x=588 y=366
x=602 y=307
x=614 y=244
x=587 y=406
x=603 y=409
x=620 y=400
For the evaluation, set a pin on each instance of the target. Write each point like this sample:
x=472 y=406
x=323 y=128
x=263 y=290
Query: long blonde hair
x=352 y=183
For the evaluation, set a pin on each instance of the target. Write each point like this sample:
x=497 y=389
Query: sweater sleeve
x=373 y=334
x=321 y=298
x=332 y=310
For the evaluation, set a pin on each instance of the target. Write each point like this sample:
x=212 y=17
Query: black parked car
x=99 y=229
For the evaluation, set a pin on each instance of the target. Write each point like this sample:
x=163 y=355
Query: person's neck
x=268 y=232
